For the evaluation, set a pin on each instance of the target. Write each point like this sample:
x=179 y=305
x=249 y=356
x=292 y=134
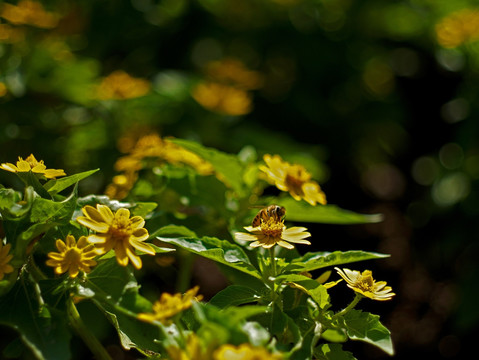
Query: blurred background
x=380 y=95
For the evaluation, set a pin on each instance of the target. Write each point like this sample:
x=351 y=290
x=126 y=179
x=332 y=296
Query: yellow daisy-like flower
x=72 y=256
x=33 y=165
x=244 y=352
x=119 y=85
x=169 y=305
x=364 y=284
x=272 y=232
x=193 y=350
x=5 y=257
x=116 y=231
x=293 y=178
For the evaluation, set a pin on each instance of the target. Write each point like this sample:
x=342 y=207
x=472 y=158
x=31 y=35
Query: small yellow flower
x=458 y=28
x=5 y=267
x=120 y=86
x=31 y=164
x=293 y=178
x=28 y=12
x=193 y=350
x=244 y=352
x=72 y=256
x=116 y=231
x=169 y=305
x=223 y=99
x=364 y=284
x=272 y=232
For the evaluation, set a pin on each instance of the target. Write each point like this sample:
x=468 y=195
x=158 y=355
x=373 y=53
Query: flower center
x=271 y=227
x=73 y=255
x=120 y=228
x=366 y=281
x=297 y=176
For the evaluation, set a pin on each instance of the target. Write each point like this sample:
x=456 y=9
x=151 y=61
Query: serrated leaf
x=43 y=330
x=44 y=210
x=332 y=352
x=366 y=327
x=174 y=230
x=314 y=289
x=228 y=166
x=56 y=185
x=317 y=260
x=325 y=214
x=221 y=251
x=234 y=295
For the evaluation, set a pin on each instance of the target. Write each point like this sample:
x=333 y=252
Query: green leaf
x=221 y=251
x=229 y=166
x=30 y=179
x=314 y=289
x=143 y=208
x=44 y=210
x=176 y=230
x=366 y=327
x=234 y=295
x=56 y=185
x=42 y=329
x=332 y=352
x=325 y=214
x=10 y=206
x=317 y=260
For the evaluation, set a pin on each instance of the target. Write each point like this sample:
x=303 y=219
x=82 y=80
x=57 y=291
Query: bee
x=272 y=211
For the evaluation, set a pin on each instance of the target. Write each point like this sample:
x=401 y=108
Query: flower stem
x=273 y=261
x=350 y=306
x=90 y=340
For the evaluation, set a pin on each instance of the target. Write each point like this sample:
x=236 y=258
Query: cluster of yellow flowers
x=119 y=85
x=458 y=28
x=28 y=12
x=227 y=89
x=151 y=147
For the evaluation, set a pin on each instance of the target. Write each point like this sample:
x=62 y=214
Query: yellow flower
x=293 y=178
x=193 y=351
x=233 y=72
x=458 y=28
x=223 y=99
x=244 y=352
x=5 y=267
x=116 y=231
x=272 y=232
x=28 y=12
x=364 y=284
x=31 y=164
x=169 y=305
x=119 y=86
x=72 y=256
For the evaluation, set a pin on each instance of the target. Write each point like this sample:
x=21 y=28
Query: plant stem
x=273 y=261
x=90 y=340
x=350 y=306
x=184 y=273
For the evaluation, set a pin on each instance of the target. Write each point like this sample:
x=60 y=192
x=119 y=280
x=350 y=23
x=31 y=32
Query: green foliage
x=272 y=301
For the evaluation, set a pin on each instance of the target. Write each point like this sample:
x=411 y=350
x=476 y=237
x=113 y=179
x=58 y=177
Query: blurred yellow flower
x=121 y=185
x=193 y=350
x=293 y=178
x=120 y=86
x=272 y=232
x=364 y=284
x=10 y=35
x=233 y=72
x=31 y=164
x=224 y=99
x=72 y=256
x=116 y=231
x=244 y=352
x=28 y=12
x=169 y=305
x=5 y=257
x=458 y=28
x=3 y=88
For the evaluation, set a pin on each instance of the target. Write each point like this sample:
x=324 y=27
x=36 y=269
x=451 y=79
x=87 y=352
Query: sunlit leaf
x=221 y=251
x=332 y=352
x=234 y=295
x=226 y=165
x=56 y=185
x=366 y=327
x=313 y=261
